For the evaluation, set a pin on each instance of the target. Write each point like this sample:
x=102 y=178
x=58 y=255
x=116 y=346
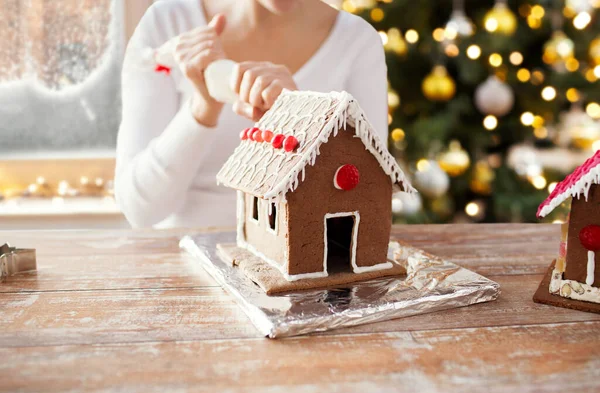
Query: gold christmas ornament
x=483 y=176
x=438 y=85
x=455 y=161
x=558 y=48
x=500 y=19
x=594 y=50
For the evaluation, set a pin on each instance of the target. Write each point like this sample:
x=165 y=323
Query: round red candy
x=277 y=141
x=590 y=237
x=255 y=135
x=244 y=134
x=290 y=143
x=346 y=177
x=267 y=136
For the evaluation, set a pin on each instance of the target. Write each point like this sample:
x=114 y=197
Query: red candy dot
x=346 y=177
x=254 y=132
x=290 y=143
x=277 y=141
x=267 y=136
x=244 y=134
x=590 y=237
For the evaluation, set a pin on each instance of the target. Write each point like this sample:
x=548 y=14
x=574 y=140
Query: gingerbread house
x=575 y=274
x=314 y=186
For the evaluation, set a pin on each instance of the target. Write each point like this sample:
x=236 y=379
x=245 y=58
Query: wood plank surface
x=494 y=359
x=128 y=311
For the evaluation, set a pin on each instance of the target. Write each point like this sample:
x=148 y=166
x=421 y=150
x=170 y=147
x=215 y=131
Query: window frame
x=275 y=230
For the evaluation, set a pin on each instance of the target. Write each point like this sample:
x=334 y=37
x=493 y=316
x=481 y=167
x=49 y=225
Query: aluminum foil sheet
x=432 y=284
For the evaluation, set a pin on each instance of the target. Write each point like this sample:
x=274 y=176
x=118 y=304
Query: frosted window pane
x=59 y=74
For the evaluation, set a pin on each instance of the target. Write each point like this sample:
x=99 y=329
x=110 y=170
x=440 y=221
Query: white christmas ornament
x=432 y=181
x=459 y=24
x=406 y=204
x=524 y=160
x=494 y=97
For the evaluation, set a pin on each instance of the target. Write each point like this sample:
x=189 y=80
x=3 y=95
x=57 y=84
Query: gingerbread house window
x=255 y=209
x=272 y=217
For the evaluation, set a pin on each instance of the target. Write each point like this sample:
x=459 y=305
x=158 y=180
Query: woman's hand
x=194 y=51
x=258 y=84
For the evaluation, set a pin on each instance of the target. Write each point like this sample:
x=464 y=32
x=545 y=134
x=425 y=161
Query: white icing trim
x=354 y=244
x=335 y=182
x=373 y=268
x=591 y=266
x=573 y=289
x=241 y=216
x=582 y=186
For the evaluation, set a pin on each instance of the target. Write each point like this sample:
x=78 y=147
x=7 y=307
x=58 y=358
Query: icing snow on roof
x=577 y=183
x=312 y=118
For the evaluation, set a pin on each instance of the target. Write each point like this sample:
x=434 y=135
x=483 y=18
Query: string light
x=593 y=110
x=516 y=58
x=582 y=20
x=596 y=145
x=540 y=133
x=552 y=186
x=495 y=60
x=534 y=22
x=597 y=71
x=393 y=99
x=490 y=122
x=473 y=52
x=390 y=119
x=572 y=64
x=538 y=121
x=548 y=93
x=398 y=135
x=377 y=14
x=412 y=36
x=539 y=182
x=527 y=118
x=438 y=34
x=537 y=11
x=590 y=75
x=537 y=77
x=472 y=209
x=523 y=75
x=573 y=95
x=452 y=50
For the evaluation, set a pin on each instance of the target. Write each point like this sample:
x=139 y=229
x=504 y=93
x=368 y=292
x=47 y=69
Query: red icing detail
x=290 y=143
x=346 y=177
x=590 y=237
x=570 y=180
x=244 y=134
x=277 y=141
x=267 y=136
x=253 y=132
x=162 y=68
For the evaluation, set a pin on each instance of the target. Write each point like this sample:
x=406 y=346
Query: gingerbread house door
x=341 y=242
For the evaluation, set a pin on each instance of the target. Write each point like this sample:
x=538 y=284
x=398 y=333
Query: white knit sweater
x=167 y=162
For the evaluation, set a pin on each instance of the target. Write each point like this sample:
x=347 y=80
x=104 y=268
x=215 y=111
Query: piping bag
x=218 y=74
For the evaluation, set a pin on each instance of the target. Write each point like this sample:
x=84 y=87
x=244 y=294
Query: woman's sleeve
x=159 y=146
x=368 y=81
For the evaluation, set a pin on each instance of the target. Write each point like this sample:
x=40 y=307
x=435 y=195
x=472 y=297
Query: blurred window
x=60 y=66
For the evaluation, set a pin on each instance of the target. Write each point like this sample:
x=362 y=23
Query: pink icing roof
x=576 y=183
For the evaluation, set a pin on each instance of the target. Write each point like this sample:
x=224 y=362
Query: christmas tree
x=490 y=103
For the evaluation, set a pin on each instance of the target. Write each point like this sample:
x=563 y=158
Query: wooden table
x=127 y=311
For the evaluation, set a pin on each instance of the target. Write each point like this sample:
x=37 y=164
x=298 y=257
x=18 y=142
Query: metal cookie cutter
x=16 y=260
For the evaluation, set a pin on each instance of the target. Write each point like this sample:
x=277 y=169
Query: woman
x=174 y=137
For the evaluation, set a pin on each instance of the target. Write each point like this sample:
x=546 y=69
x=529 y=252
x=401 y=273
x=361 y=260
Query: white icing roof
x=259 y=169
